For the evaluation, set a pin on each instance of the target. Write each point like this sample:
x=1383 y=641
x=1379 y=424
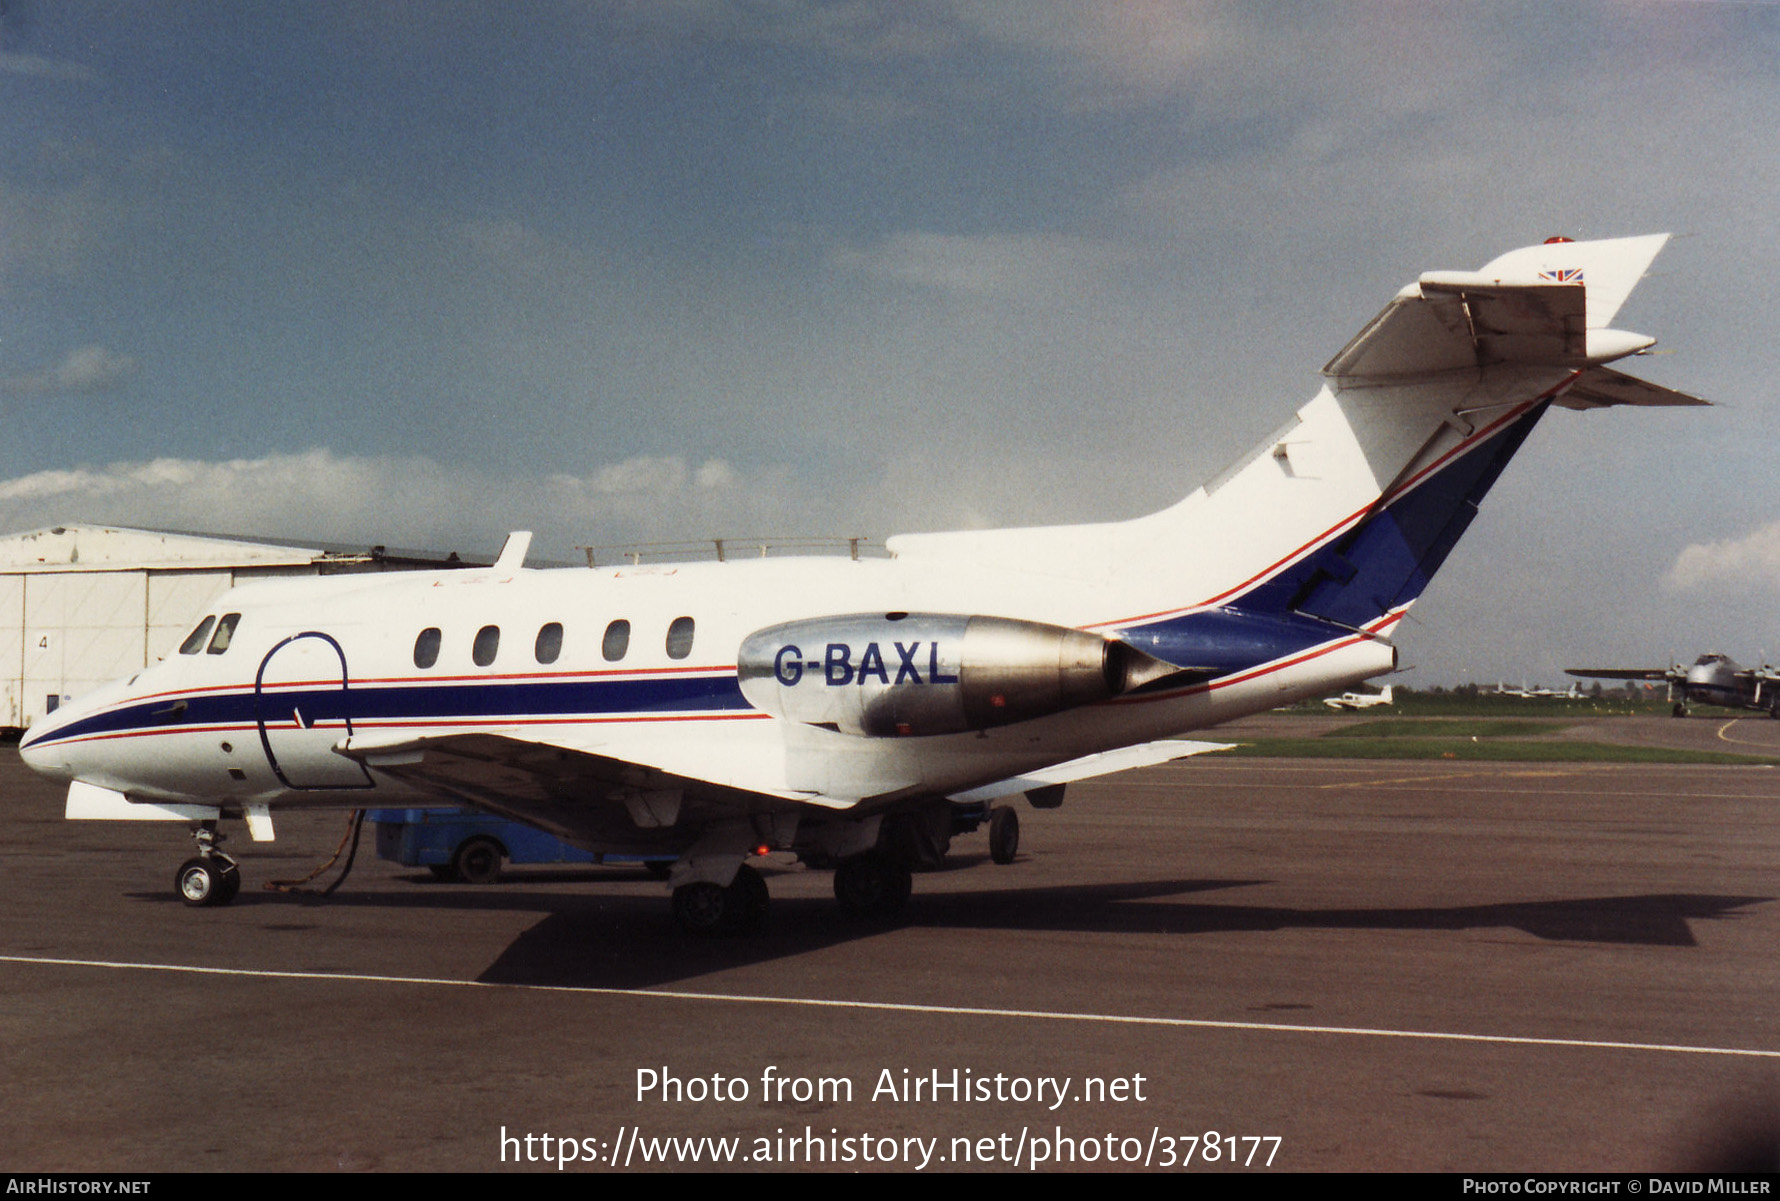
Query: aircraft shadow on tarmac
x=632 y=944
x=627 y=939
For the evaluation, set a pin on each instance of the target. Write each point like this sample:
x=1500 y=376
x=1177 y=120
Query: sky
x=421 y=273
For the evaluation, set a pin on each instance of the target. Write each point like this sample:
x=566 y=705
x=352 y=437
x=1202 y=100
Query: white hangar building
x=81 y=605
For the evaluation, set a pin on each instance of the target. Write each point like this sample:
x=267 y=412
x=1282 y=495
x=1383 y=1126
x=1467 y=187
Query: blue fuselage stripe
x=510 y=699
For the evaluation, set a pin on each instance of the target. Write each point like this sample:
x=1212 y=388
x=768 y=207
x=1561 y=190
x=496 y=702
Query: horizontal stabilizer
x=1603 y=386
x=1547 y=304
x=1144 y=754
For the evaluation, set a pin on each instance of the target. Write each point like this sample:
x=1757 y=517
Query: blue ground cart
x=462 y=844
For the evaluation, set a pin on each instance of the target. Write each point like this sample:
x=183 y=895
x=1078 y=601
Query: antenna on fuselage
x=512 y=556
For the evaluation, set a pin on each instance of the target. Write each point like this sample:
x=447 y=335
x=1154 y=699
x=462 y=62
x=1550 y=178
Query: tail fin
x=1340 y=519
x=1346 y=514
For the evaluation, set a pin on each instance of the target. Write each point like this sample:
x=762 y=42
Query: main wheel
x=204 y=882
x=708 y=910
x=700 y=907
x=478 y=861
x=1004 y=835
x=1679 y=710
x=872 y=885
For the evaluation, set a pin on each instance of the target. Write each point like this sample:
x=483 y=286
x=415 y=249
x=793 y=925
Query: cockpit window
x=194 y=641
x=426 y=647
x=225 y=633
x=679 y=639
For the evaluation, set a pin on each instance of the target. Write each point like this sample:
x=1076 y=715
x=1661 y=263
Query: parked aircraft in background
x=1359 y=700
x=1573 y=692
x=1713 y=679
x=837 y=707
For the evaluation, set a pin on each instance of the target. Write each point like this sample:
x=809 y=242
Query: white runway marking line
x=1113 y=1019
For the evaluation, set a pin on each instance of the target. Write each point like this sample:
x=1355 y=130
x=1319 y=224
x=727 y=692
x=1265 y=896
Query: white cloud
x=89 y=369
x=1008 y=266
x=1730 y=564
x=45 y=68
x=324 y=496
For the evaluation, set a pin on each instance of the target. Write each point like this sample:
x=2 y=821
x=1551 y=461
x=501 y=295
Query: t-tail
x=1336 y=523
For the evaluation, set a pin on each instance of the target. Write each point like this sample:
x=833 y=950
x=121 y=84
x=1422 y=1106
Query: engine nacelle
x=903 y=674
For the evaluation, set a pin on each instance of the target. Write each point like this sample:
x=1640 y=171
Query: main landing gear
x=709 y=910
x=874 y=886
x=1004 y=835
x=210 y=877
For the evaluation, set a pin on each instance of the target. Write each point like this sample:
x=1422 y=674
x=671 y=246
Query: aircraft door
x=302 y=704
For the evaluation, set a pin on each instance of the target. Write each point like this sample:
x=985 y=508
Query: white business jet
x=839 y=708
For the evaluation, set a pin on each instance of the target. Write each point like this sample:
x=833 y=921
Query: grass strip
x=1494 y=750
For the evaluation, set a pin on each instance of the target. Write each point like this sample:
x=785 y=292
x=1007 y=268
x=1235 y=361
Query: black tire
x=746 y=900
x=872 y=886
x=229 y=886
x=478 y=861
x=199 y=883
x=1004 y=835
x=1679 y=710
x=700 y=908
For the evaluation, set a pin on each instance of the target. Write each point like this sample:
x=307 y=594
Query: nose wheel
x=202 y=882
x=209 y=877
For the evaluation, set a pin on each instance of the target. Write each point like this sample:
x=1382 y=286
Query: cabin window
x=617 y=641
x=225 y=633
x=426 y=647
x=679 y=639
x=549 y=644
x=194 y=641
x=488 y=641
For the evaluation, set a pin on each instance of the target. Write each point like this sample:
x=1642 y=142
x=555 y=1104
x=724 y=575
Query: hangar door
x=81 y=630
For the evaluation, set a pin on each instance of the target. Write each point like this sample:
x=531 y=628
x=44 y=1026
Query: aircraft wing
x=1625 y=673
x=574 y=794
x=1144 y=754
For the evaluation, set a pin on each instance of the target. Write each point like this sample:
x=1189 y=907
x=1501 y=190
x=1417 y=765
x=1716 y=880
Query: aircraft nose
x=41 y=752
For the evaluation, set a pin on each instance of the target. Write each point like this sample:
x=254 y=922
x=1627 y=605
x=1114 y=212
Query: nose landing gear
x=210 y=877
